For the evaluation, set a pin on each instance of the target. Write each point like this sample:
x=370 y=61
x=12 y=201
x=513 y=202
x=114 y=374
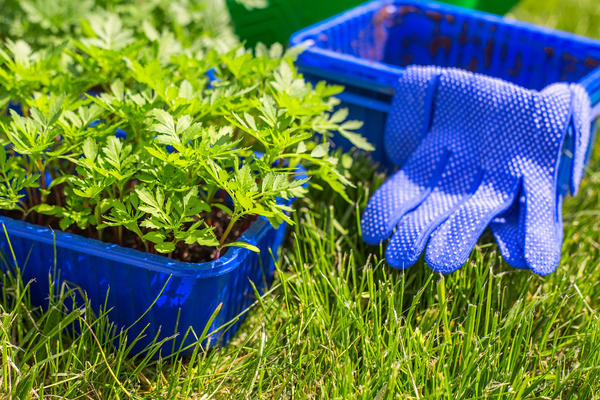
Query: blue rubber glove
x=507 y=226
x=479 y=143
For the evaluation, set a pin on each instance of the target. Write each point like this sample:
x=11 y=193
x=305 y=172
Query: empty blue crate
x=365 y=49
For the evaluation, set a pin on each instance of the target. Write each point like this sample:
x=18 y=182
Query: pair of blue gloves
x=474 y=152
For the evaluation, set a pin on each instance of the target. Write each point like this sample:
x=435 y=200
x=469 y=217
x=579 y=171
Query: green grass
x=339 y=323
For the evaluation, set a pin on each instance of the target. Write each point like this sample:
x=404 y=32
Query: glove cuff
x=411 y=112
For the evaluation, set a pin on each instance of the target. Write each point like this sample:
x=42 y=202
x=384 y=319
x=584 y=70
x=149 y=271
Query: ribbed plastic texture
x=277 y=21
x=130 y=281
x=366 y=48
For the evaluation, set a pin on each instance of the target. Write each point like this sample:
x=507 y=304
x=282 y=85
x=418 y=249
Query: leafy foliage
x=192 y=22
x=138 y=131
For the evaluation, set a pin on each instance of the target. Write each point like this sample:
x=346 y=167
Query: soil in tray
x=188 y=253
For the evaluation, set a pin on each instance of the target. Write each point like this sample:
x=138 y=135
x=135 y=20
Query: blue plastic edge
x=385 y=76
x=379 y=77
x=230 y=260
x=110 y=251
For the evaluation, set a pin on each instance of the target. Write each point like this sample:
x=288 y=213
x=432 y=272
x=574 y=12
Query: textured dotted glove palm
x=473 y=150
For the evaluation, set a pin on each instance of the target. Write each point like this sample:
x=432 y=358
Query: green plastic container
x=281 y=18
x=494 y=6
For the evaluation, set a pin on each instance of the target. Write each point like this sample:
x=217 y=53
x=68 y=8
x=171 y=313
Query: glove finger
x=410 y=115
x=452 y=242
x=508 y=234
x=509 y=238
x=542 y=223
x=402 y=192
x=457 y=183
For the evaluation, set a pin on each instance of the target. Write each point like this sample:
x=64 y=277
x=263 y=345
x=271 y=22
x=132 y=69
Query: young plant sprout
x=137 y=138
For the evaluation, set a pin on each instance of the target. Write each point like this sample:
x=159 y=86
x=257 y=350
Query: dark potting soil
x=188 y=253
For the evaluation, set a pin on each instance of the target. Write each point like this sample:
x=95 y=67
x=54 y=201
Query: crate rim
x=388 y=74
x=230 y=261
x=137 y=258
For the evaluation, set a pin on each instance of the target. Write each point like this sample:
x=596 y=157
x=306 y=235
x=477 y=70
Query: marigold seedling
x=121 y=139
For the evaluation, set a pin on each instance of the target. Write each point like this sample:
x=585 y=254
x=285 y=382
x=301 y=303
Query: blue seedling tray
x=129 y=281
x=365 y=49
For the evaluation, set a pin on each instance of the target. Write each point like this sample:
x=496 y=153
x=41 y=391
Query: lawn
x=339 y=323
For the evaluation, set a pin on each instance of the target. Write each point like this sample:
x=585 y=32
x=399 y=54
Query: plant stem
x=58 y=196
x=97 y=212
x=23 y=206
x=142 y=241
x=44 y=185
x=41 y=168
x=29 y=197
x=232 y=222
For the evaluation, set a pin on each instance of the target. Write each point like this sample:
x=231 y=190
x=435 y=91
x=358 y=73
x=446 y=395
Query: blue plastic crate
x=366 y=48
x=129 y=281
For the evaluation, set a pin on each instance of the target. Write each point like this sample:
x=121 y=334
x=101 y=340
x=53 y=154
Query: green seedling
x=134 y=136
